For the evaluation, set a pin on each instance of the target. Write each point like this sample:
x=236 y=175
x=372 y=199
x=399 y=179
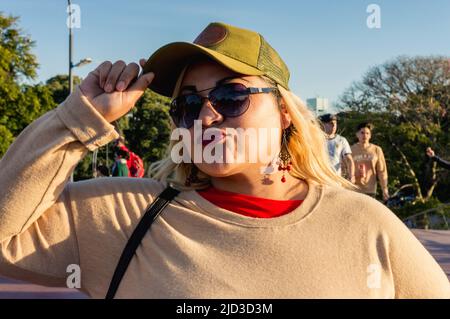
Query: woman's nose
x=208 y=115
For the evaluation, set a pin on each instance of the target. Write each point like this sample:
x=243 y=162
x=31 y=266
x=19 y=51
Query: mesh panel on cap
x=270 y=63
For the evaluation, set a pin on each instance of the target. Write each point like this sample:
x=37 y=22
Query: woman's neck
x=252 y=182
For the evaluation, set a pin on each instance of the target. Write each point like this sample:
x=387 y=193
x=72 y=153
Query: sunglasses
x=229 y=100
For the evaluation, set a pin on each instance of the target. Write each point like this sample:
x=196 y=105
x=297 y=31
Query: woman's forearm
x=37 y=166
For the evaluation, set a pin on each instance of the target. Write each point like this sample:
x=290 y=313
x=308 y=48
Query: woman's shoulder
x=346 y=196
x=357 y=207
x=367 y=223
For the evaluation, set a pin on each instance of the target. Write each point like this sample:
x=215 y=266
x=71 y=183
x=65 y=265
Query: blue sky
x=326 y=44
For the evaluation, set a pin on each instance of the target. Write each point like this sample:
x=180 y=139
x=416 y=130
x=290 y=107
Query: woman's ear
x=286 y=119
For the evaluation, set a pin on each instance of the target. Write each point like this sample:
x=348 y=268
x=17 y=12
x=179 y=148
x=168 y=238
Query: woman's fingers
x=114 y=88
x=119 y=75
x=103 y=71
x=114 y=74
x=122 y=77
x=128 y=74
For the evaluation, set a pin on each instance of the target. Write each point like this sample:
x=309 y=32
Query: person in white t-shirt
x=338 y=148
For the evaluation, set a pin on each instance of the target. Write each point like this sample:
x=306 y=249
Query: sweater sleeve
x=442 y=163
x=37 y=234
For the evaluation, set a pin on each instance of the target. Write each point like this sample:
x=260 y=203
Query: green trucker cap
x=242 y=51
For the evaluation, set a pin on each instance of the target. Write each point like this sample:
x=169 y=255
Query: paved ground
x=437 y=242
x=13 y=289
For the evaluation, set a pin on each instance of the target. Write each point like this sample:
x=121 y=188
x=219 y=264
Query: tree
x=146 y=130
x=59 y=86
x=411 y=97
x=6 y=138
x=20 y=104
x=149 y=128
x=16 y=59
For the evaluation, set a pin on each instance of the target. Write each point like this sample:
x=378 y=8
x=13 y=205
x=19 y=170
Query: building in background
x=319 y=105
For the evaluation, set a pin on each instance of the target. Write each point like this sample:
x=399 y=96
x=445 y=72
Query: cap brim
x=168 y=62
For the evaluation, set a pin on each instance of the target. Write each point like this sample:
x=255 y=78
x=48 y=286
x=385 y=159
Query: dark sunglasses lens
x=230 y=99
x=185 y=109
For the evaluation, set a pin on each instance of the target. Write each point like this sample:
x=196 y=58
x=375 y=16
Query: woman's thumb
x=137 y=88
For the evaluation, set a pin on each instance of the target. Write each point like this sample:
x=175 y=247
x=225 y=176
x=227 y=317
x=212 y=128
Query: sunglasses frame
x=248 y=91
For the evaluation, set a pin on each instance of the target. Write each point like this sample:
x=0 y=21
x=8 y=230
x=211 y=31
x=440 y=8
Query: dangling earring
x=284 y=158
x=268 y=170
x=192 y=178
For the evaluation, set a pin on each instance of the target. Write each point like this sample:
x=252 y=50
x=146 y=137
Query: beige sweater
x=337 y=244
x=369 y=164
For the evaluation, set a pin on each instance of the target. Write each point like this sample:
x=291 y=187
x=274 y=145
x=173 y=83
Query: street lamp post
x=71 y=65
x=70 y=47
x=81 y=62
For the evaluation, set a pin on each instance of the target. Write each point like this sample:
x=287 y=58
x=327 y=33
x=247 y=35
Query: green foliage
x=84 y=168
x=408 y=100
x=431 y=212
x=415 y=208
x=149 y=129
x=389 y=132
x=146 y=130
x=20 y=104
x=6 y=138
x=16 y=59
x=59 y=86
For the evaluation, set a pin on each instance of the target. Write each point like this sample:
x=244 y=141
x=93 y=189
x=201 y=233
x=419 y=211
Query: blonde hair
x=306 y=145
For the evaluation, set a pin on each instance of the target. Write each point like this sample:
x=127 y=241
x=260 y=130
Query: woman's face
x=263 y=114
x=364 y=135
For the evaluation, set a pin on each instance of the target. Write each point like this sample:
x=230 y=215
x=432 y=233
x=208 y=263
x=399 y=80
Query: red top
x=249 y=205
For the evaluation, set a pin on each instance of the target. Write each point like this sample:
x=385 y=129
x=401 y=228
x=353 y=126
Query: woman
x=369 y=163
x=294 y=230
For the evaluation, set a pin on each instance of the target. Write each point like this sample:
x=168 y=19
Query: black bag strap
x=139 y=232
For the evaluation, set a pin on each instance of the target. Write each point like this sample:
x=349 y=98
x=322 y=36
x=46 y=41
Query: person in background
x=338 y=147
x=369 y=163
x=442 y=163
x=135 y=163
x=120 y=167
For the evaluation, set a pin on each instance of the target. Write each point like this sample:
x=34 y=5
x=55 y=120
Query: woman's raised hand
x=113 y=89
